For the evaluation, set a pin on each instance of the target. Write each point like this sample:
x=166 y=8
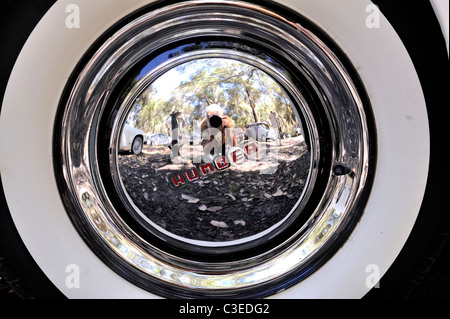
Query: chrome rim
x=324 y=99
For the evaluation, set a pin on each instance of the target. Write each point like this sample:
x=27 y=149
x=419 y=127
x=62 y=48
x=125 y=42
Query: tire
x=391 y=222
x=137 y=145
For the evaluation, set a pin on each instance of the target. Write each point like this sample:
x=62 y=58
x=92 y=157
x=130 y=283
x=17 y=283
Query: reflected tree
x=247 y=94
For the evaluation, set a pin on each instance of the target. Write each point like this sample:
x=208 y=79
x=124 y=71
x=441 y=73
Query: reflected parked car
x=159 y=139
x=296 y=131
x=132 y=139
x=260 y=131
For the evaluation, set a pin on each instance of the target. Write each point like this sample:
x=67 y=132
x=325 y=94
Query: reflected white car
x=260 y=131
x=132 y=139
x=159 y=139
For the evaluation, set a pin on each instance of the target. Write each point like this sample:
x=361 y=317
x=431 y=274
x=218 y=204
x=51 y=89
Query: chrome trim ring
x=324 y=94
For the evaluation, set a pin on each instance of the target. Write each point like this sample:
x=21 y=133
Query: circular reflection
x=224 y=157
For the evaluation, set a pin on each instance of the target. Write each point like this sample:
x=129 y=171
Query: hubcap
x=247 y=220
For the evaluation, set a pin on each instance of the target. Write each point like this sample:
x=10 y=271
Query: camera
x=215 y=121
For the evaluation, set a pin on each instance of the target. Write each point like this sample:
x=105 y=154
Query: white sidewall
x=53 y=51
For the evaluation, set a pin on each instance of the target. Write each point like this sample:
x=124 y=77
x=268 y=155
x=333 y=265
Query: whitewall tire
x=55 y=54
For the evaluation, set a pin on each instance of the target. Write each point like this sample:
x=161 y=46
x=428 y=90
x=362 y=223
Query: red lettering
x=237 y=157
x=234 y=156
x=251 y=149
x=194 y=173
x=221 y=163
x=178 y=181
x=207 y=166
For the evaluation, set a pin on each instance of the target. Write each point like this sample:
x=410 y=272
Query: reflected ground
x=231 y=204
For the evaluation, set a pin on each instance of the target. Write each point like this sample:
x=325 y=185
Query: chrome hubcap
x=151 y=217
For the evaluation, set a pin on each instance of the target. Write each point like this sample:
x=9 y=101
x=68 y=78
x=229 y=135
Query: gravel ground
x=229 y=204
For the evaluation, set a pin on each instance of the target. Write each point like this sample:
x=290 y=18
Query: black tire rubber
x=421 y=34
x=17 y=267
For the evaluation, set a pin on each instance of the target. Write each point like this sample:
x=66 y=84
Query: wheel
x=137 y=145
x=263 y=138
x=364 y=190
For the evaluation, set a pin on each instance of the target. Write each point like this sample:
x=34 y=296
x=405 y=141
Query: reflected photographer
x=217 y=131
